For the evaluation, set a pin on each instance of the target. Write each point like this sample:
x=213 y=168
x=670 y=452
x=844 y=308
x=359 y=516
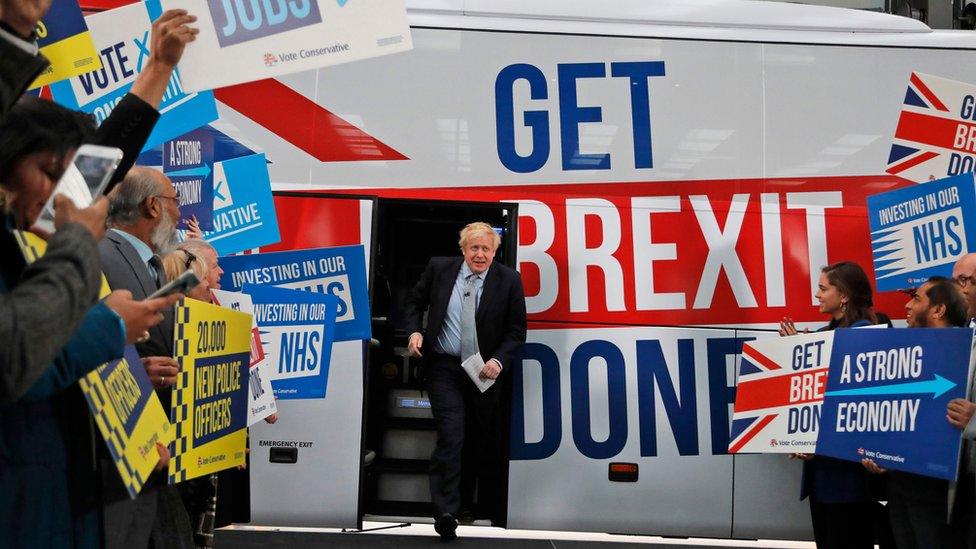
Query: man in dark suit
x=474 y=307
x=142 y=216
x=917 y=504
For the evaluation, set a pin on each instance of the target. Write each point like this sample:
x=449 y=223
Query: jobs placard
x=246 y=40
x=887 y=392
x=209 y=407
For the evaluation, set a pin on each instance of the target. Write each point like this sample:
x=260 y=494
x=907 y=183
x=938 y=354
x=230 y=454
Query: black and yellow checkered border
x=114 y=435
x=31 y=253
x=182 y=395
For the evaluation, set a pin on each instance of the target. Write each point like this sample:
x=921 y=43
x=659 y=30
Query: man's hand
x=959 y=412
x=92 y=217
x=272 y=419
x=23 y=15
x=139 y=316
x=163 y=456
x=414 y=344
x=802 y=457
x=170 y=35
x=162 y=370
x=491 y=370
x=872 y=467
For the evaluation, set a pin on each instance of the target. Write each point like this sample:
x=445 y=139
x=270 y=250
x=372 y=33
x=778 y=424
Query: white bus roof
x=723 y=20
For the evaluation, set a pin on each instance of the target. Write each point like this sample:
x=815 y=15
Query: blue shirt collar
x=143 y=249
x=466 y=271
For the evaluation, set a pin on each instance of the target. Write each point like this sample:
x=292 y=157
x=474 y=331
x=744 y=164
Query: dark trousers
x=466 y=454
x=843 y=525
x=962 y=527
x=917 y=508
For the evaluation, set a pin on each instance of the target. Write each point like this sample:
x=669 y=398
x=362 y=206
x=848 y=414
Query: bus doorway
x=399 y=427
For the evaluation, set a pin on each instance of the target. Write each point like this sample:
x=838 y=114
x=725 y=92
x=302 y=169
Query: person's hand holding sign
x=170 y=35
x=872 y=467
x=959 y=412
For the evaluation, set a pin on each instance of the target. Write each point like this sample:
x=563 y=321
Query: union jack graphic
x=767 y=390
x=746 y=429
x=927 y=143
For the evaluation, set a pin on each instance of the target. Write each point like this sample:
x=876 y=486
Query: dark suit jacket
x=500 y=318
x=66 y=280
x=125 y=270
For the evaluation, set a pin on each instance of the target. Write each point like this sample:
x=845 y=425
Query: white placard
x=246 y=40
x=261 y=401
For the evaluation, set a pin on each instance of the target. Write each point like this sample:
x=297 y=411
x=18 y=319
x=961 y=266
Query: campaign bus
x=668 y=177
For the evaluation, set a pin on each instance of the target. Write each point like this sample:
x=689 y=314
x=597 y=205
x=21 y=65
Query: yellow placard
x=209 y=408
x=64 y=40
x=122 y=400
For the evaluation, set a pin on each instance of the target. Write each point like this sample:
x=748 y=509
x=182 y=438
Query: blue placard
x=243 y=208
x=338 y=271
x=297 y=330
x=887 y=392
x=62 y=20
x=920 y=231
x=209 y=402
x=187 y=161
x=123 y=57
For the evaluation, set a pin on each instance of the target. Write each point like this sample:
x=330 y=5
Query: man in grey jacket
x=143 y=217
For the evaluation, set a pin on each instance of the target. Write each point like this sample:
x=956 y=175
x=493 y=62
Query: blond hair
x=478 y=228
x=180 y=259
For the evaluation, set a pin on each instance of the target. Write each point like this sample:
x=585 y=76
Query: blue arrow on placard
x=937 y=386
x=202 y=171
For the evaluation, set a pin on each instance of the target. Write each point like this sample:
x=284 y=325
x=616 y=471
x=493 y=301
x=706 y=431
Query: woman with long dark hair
x=842 y=508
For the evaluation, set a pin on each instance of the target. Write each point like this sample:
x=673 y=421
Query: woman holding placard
x=842 y=508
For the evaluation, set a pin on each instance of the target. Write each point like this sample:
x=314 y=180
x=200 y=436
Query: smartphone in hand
x=181 y=284
x=83 y=181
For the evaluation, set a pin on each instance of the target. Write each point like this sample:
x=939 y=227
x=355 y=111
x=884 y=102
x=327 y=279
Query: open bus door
x=399 y=425
x=364 y=449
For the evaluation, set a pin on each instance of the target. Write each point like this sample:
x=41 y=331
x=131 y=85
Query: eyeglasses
x=965 y=280
x=190 y=258
x=176 y=197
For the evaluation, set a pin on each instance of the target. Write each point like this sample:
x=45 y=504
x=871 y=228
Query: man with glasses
x=964 y=273
x=142 y=218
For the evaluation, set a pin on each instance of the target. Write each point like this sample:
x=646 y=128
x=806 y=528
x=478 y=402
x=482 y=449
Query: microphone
x=466 y=294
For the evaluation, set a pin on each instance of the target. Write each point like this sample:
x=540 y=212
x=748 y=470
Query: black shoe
x=465 y=516
x=446 y=526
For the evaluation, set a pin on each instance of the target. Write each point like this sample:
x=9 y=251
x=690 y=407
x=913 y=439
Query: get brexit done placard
x=779 y=393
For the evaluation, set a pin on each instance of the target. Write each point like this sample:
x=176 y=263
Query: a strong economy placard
x=122 y=400
x=246 y=40
x=188 y=161
x=297 y=330
x=886 y=398
x=122 y=37
x=63 y=38
x=261 y=402
x=209 y=408
x=339 y=271
x=777 y=399
x=920 y=231
x=936 y=132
